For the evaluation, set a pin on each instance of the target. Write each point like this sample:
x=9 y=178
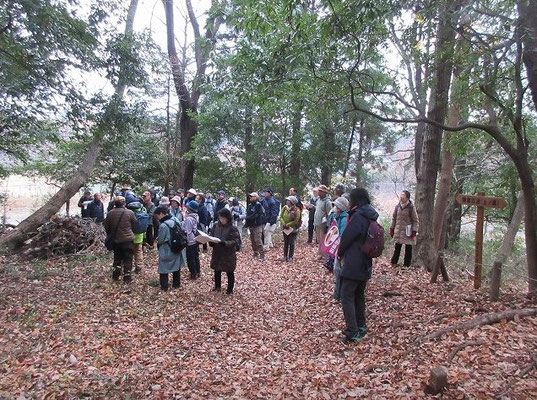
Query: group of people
x=348 y=215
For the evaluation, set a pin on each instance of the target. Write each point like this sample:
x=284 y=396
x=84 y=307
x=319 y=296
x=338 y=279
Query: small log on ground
x=487 y=319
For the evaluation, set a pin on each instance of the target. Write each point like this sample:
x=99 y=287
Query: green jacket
x=290 y=216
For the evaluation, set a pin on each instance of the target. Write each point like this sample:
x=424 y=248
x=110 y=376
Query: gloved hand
x=392 y=232
x=413 y=235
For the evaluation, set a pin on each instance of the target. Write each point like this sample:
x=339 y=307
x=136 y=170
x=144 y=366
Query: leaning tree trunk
x=73 y=185
x=430 y=157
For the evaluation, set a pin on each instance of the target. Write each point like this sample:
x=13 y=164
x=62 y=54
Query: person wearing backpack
x=255 y=219
x=224 y=256
x=238 y=213
x=190 y=226
x=356 y=265
x=169 y=262
x=404 y=228
x=290 y=219
x=121 y=223
x=140 y=229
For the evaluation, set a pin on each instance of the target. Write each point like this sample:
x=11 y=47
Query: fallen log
x=487 y=319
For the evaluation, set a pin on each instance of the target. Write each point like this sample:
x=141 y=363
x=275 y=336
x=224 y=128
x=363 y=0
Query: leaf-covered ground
x=67 y=331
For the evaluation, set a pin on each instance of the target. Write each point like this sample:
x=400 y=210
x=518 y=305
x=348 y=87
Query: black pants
x=149 y=235
x=176 y=280
x=289 y=244
x=353 y=305
x=397 y=253
x=123 y=255
x=193 y=259
x=230 y=280
x=310 y=230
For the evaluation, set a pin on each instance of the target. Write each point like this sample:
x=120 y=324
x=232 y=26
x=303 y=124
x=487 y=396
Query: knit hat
x=164 y=200
x=177 y=199
x=292 y=199
x=193 y=206
x=342 y=203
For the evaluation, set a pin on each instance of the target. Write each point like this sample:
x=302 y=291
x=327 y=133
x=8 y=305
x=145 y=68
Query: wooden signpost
x=481 y=202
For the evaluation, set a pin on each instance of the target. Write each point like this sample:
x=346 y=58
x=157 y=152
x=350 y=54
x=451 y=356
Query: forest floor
x=68 y=331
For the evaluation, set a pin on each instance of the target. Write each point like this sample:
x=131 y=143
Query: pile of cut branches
x=65 y=235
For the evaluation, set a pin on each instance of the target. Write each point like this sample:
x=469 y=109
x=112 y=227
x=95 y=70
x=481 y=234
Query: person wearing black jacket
x=204 y=216
x=255 y=219
x=83 y=208
x=221 y=202
x=95 y=209
x=356 y=266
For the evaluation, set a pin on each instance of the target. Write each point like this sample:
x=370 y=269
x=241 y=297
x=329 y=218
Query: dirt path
x=67 y=331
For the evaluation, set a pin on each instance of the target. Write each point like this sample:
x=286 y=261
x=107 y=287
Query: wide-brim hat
x=192 y=191
x=323 y=188
x=164 y=200
x=177 y=199
x=254 y=194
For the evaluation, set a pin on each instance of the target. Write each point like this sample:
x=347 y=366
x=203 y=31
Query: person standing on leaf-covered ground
x=96 y=209
x=121 y=222
x=404 y=228
x=272 y=211
x=289 y=220
x=255 y=216
x=356 y=267
x=311 y=214
x=221 y=202
x=190 y=227
x=224 y=257
x=322 y=212
x=168 y=261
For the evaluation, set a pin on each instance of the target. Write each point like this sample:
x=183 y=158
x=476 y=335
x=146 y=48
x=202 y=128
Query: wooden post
x=478 y=267
x=495 y=282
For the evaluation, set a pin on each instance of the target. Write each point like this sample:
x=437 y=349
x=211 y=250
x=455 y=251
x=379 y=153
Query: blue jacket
x=168 y=261
x=356 y=265
x=96 y=211
x=272 y=210
x=205 y=217
x=255 y=215
x=341 y=221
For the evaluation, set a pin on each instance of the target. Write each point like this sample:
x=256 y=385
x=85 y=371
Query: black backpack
x=178 y=239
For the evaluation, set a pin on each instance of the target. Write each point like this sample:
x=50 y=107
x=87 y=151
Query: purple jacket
x=191 y=227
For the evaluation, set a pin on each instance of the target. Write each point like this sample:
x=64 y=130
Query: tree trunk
x=328 y=159
x=295 y=163
x=360 y=157
x=430 y=158
x=73 y=185
x=250 y=155
x=527 y=10
x=418 y=145
x=349 y=149
x=506 y=247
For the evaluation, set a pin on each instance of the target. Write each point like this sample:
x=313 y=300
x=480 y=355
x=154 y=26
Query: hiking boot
x=290 y=259
x=229 y=292
x=216 y=289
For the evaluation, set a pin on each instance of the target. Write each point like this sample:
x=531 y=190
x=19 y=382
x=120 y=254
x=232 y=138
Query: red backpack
x=374 y=242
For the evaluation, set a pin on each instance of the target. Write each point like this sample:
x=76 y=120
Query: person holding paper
x=224 y=257
x=404 y=228
x=289 y=220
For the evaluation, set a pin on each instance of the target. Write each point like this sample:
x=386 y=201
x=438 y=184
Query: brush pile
x=65 y=235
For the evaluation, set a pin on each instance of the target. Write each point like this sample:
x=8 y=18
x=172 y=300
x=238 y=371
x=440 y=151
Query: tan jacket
x=403 y=216
x=124 y=232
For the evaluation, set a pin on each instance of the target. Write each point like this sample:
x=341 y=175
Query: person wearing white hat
x=190 y=195
x=175 y=209
x=254 y=222
x=322 y=212
x=290 y=220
